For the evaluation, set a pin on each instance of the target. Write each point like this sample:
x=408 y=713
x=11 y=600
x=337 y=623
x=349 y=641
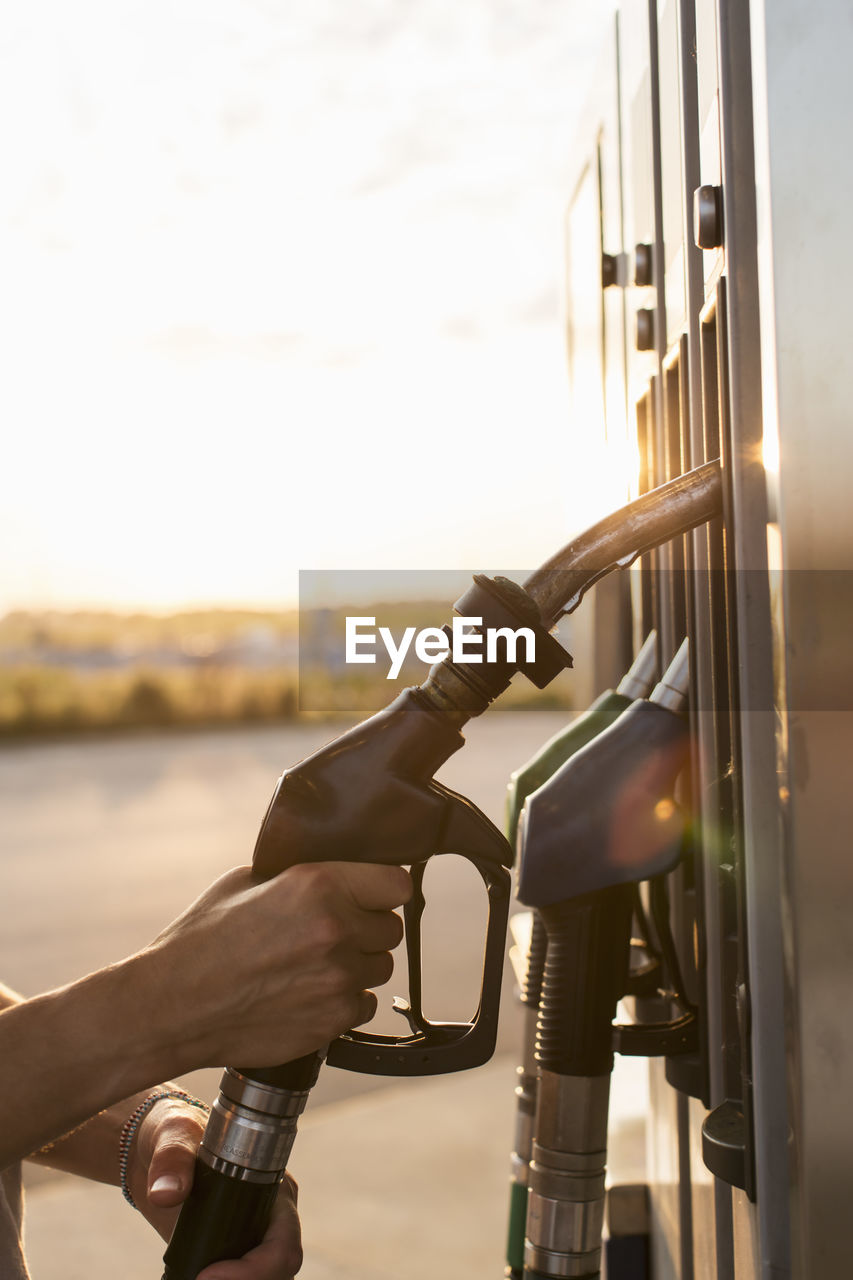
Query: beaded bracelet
x=132 y=1124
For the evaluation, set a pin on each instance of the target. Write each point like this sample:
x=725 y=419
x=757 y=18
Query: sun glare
x=281 y=294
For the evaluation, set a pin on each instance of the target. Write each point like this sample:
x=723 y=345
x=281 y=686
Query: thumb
x=170 y=1170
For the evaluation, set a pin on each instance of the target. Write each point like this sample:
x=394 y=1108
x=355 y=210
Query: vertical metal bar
x=658 y=255
x=714 y=759
x=685 y=1196
x=706 y=641
x=761 y=830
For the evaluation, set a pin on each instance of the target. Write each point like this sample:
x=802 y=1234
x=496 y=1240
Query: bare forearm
x=91 y=1150
x=72 y=1053
x=258 y=972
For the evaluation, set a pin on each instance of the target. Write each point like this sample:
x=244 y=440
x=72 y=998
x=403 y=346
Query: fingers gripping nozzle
x=436 y=1047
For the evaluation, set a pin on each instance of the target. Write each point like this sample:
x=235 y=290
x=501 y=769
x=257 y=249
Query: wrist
x=175 y=1037
x=130 y=1168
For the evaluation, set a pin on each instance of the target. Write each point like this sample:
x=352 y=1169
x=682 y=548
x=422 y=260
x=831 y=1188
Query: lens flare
x=664 y=809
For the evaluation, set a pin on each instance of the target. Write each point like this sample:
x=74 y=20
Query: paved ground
x=104 y=842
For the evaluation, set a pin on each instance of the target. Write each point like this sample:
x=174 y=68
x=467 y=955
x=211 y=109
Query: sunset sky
x=281 y=290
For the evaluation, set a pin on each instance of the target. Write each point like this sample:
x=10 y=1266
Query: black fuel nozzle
x=607 y=819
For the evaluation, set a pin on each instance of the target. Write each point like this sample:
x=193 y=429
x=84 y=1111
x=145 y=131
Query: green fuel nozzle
x=605 y=820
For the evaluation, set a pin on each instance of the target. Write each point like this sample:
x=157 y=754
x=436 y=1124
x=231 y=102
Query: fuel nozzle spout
x=672 y=690
x=639 y=677
x=460 y=691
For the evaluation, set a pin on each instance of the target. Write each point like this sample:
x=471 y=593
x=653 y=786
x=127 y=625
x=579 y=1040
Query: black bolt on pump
x=606 y=708
x=371 y=796
x=606 y=820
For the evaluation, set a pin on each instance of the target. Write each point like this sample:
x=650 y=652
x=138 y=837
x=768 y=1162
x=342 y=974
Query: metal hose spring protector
x=617 y=540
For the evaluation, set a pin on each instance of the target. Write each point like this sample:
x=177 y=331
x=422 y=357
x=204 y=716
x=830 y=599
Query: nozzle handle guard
x=436 y=1047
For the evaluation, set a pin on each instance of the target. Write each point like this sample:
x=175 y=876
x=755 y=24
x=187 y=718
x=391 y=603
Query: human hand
x=160 y=1175
x=267 y=972
x=258 y=973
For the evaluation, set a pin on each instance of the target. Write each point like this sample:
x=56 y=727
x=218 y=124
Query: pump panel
x=727 y=352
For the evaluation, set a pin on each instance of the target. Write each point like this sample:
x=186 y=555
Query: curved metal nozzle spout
x=637 y=681
x=672 y=689
x=559 y=585
x=617 y=540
